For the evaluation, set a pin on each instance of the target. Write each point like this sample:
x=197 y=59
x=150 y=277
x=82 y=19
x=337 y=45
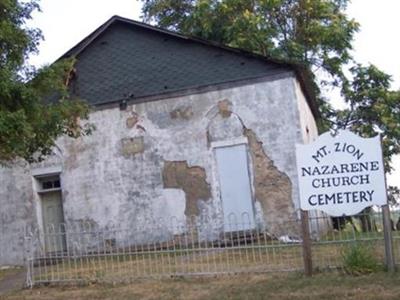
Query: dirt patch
x=192 y=180
x=283 y=287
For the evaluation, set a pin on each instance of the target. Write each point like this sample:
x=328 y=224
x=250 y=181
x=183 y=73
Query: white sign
x=341 y=175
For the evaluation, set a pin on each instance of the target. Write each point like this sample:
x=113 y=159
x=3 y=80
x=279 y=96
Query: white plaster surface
x=101 y=186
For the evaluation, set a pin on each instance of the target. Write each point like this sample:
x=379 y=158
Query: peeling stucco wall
x=273 y=189
x=16 y=212
x=132 y=146
x=126 y=171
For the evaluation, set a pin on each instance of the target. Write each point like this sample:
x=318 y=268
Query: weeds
x=359 y=259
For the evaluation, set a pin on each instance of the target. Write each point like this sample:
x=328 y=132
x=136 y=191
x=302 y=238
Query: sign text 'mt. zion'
x=342 y=174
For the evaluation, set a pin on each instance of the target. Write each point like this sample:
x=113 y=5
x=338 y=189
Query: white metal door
x=53 y=219
x=233 y=171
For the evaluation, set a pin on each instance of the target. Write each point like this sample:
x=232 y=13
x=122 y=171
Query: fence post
x=305 y=230
x=28 y=255
x=387 y=231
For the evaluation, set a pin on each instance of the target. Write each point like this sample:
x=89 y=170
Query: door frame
x=215 y=174
x=60 y=232
x=37 y=178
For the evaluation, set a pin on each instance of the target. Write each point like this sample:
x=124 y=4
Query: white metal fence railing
x=113 y=253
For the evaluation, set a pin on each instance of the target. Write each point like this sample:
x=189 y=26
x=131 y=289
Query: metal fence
x=86 y=253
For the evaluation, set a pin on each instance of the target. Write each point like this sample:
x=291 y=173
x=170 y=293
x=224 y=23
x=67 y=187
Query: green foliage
x=373 y=108
x=359 y=259
x=316 y=34
x=30 y=121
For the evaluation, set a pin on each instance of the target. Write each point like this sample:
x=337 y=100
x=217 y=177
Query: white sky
x=66 y=22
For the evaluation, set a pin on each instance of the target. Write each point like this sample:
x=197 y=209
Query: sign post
x=342 y=175
x=307 y=255
x=387 y=231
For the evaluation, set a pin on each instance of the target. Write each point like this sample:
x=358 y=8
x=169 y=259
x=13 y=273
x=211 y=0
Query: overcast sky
x=66 y=22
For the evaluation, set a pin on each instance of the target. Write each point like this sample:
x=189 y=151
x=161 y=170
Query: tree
x=314 y=33
x=35 y=107
x=373 y=108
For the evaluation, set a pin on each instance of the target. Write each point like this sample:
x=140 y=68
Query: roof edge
x=196 y=89
x=304 y=76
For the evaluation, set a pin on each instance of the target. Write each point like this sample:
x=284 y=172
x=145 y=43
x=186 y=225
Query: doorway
x=235 y=187
x=52 y=214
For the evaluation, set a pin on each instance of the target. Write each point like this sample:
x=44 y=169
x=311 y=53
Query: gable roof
x=125 y=59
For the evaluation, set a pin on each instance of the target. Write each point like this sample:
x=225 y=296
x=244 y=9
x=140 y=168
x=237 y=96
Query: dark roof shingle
x=125 y=58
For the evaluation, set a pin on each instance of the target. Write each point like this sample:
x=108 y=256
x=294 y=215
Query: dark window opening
x=49 y=183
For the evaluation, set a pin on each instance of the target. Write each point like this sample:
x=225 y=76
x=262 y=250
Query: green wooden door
x=53 y=220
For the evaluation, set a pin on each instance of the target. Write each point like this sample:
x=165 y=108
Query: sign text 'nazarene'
x=341 y=175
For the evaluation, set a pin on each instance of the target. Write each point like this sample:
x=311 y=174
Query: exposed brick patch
x=224 y=107
x=132 y=120
x=184 y=113
x=273 y=189
x=132 y=146
x=192 y=180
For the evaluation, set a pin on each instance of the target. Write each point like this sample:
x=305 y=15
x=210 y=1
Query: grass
x=8 y=272
x=149 y=272
x=162 y=264
x=257 y=256
x=329 y=285
x=360 y=259
x=102 y=277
